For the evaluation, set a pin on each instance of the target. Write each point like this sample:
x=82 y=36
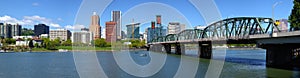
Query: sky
x=70 y=14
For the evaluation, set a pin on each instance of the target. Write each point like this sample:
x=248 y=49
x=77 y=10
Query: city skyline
x=46 y=12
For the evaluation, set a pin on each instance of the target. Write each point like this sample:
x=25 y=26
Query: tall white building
x=82 y=37
x=145 y=35
x=9 y=30
x=63 y=34
x=200 y=27
x=116 y=17
x=175 y=27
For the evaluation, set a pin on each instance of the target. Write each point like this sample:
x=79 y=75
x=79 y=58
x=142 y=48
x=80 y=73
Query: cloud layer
x=34 y=20
x=29 y=21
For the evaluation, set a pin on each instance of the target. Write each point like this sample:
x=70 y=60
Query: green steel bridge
x=282 y=47
x=239 y=28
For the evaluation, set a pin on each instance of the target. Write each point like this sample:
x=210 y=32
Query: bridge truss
x=231 y=28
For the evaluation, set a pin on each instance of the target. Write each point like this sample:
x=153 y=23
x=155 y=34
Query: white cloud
x=59 y=19
x=35 y=4
x=75 y=27
x=9 y=19
x=29 y=21
x=54 y=25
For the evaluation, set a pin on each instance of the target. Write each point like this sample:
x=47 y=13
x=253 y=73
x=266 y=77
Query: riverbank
x=74 y=49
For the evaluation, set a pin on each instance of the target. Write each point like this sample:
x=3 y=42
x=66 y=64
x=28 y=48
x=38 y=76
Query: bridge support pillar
x=156 y=48
x=148 y=48
x=167 y=48
x=159 y=48
x=205 y=50
x=179 y=49
x=284 y=56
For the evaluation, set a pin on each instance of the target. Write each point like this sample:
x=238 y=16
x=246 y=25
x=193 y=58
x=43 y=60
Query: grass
x=41 y=50
x=84 y=48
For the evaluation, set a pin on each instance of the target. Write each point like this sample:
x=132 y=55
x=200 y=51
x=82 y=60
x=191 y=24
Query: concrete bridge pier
x=205 y=50
x=156 y=48
x=159 y=48
x=167 y=48
x=179 y=49
x=284 y=56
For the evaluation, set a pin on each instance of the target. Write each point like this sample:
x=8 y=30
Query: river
x=239 y=63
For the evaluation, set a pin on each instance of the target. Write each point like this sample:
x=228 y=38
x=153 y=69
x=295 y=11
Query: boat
x=62 y=50
x=143 y=55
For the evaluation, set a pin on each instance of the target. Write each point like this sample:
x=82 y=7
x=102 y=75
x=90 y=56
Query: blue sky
x=62 y=13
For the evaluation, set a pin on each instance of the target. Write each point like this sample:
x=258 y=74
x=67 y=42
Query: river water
x=239 y=63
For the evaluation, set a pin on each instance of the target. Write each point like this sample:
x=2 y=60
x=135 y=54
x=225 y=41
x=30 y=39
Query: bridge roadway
x=283 y=48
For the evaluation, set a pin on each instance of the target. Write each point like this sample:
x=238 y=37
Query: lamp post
x=273 y=7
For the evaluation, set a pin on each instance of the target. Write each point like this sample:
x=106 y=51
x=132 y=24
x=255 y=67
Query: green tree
x=9 y=41
x=100 y=42
x=294 y=18
x=137 y=43
x=50 y=45
x=45 y=42
x=67 y=43
x=26 y=32
x=143 y=43
x=56 y=42
x=36 y=45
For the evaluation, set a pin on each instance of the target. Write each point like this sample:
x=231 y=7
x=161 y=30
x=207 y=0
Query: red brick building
x=110 y=31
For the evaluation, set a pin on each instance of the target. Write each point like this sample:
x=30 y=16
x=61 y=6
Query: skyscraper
x=16 y=30
x=175 y=27
x=9 y=30
x=155 y=32
x=110 y=31
x=116 y=17
x=41 y=29
x=133 y=31
x=5 y=30
x=95 y=27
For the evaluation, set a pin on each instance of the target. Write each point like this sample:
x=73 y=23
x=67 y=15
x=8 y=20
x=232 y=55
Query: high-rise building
x=82 y=37
x=158 y=19
x=175 y=27
x=95 y=27
x=123 y=34
x=145 y=34
x=5 y=30
x=16 y=30
x=116 y=17
x=155 y=32
x=62 y=34
x=8 y=30
x=41 y=29
x=110 y=31
x=133 y=31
